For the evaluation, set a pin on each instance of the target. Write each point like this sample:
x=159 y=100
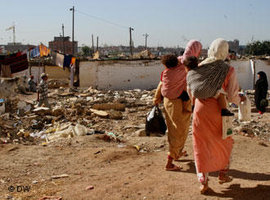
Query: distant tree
x=258 y=48
x=86 y=51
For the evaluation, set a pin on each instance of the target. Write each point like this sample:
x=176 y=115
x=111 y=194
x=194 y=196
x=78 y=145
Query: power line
x=101 y=19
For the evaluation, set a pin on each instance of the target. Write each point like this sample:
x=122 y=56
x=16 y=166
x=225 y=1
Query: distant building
x=12 y=48
x=63 y=44
x=234 y=46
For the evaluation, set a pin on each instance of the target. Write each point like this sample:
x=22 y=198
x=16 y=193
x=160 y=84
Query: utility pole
x=63 y=38
x=93 y=47
x=97 y=43
x=145 y=40
x=73 y=10
x=13 y=30
x=130 y=40
x=14 y=41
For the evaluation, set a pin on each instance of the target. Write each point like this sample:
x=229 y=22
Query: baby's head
x=191 y=62
x=169 y=60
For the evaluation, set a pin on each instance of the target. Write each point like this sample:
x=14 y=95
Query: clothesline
x=17 y=62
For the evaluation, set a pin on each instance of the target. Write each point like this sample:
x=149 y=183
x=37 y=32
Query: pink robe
x=211 y=152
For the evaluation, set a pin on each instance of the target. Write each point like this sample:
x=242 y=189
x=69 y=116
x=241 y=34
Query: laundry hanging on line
x=17 y=62
x=35 y=52
x=67 y=61
x=44 y=51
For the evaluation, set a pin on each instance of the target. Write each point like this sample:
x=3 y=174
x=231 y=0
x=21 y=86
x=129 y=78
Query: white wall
x=123 y=75
x=245 y=74
x=120 y=75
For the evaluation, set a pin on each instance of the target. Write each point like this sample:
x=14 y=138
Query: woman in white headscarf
x=211 y=152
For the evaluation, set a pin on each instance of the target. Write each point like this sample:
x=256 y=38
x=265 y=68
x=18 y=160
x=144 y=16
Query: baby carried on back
x=206 y=81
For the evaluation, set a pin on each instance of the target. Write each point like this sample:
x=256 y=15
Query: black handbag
x=155 y=122
x=264 y=103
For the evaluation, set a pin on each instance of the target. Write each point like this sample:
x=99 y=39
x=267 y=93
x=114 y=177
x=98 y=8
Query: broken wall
x=245 y=73
x=121 y=75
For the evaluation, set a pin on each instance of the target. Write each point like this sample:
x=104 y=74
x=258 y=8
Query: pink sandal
x=174 y=168
x=224 y=179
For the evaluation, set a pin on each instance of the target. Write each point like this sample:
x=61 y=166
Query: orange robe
x=211 y=152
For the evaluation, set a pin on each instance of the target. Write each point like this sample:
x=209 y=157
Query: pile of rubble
x=115 y=114
x=82 y=112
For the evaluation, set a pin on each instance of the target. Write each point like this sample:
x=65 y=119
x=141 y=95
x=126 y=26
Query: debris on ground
x=90 y=111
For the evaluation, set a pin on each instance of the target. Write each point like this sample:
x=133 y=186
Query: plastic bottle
x=244 y=110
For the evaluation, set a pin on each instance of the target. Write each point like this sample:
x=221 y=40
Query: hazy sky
x=168 y=22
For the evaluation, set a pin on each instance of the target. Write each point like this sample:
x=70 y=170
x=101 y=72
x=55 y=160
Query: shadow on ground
x=232 y=172
x=235 y=192
x=254 y=110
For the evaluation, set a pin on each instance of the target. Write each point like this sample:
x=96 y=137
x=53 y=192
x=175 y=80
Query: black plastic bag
x=264 y=103
x=155 y=122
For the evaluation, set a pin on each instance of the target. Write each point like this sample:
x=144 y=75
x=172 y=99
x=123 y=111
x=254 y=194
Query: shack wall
x=120 y=75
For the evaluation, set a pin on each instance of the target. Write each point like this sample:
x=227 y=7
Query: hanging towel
x=67 y=61
x=35 y=52
x=44 y=51
x=59 y=60
x=73 y=60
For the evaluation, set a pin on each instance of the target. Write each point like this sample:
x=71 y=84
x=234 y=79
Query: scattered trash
x=99 y=113
x=155 y=122
x=137 y=147
x=2 y=106
x=108 y=137
x=91 y=187
x=263 y=144
x=60 y=176
x=51 y=198
x=92 y=112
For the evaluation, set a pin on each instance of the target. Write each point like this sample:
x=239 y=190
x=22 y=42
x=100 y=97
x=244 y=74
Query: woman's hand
x=156 y=101
x=242 y=97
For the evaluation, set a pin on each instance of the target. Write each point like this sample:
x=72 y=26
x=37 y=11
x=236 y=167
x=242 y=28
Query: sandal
x=204 y=189
x=174 y=168
x=184 y=153
x=224 y=179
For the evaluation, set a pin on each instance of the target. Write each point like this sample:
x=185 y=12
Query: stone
x=57 y=111
x=80 y=130
x=60 y=176
x=115 y=114
x=110 y=106
x=100 y=113
x=42 y=111
x=140 y=133
x=91 y=187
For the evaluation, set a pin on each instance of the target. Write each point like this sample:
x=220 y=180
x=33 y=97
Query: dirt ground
x=92 y=168
x=119 y=171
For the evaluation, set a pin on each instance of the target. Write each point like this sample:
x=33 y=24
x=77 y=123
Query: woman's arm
x=158 y=97
x=233 y=88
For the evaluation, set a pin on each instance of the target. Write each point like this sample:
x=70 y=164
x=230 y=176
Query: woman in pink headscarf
x=177 y=104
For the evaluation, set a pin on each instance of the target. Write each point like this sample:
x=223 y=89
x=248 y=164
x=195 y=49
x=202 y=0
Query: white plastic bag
x=244 y=110
x=227 y=128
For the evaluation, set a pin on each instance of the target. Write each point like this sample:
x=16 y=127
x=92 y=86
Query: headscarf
x=218 y=50
x=206 y=80
x=193 y=48
x=261 y=88
x=174 y=79
x=263 y=78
